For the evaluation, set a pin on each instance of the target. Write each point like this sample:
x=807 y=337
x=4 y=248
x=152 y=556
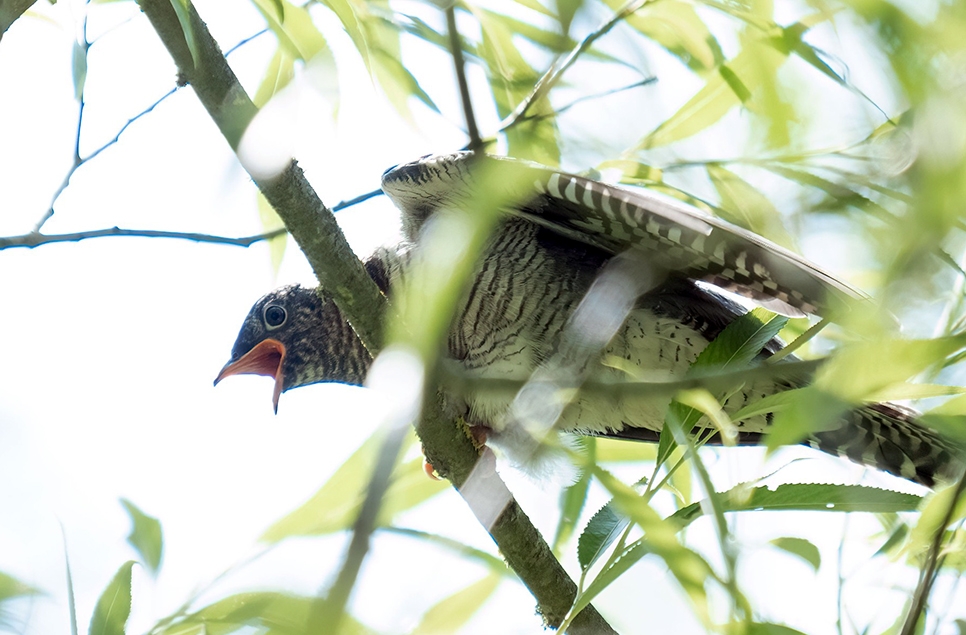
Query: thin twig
x=555 y=72
x=931 y=566
x=456 y=49
x=35 y=239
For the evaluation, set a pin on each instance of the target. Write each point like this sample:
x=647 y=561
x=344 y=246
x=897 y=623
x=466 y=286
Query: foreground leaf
x=114 y=606
x=145 y=536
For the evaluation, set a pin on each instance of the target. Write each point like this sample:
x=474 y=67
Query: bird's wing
x=675 y=236
x=684 y=239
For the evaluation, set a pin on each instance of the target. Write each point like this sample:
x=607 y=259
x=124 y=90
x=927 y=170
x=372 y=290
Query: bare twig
x=35 y=239
x=456 y=50
x=930 y=568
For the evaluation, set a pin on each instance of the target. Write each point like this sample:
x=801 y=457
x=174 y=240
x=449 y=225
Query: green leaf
x=660 y=536
x=270 y=221
x=930 y=522
x=806 y=410
x=114 y=606
x=574 y=496
x=335 y=505
x=745 y=206
x=740 y=343
x=182 y=8
x=294 y=28
x=862 y=369
x=805 y=497
x=11 y=587
x=79 y=69
x=278 y=75
x=802 y=548
x=600 y=533
x=278 y=613
x=145 y=536
x=451 y=613
x=732 y=85
x=766 y=628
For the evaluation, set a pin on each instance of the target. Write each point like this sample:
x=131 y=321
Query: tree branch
x=312 y=225
x=341 y=273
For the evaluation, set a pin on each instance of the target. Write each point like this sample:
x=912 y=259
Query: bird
x=559 y=238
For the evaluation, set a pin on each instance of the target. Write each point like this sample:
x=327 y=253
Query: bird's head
x=297 y=337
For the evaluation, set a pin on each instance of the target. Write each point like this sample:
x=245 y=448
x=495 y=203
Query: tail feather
x=889 y=437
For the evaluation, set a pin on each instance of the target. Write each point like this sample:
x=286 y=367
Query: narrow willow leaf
x=863 y=368
x=772 y=403
x=767 y=628
x=807 y=410
x=335 y=505
x=634 y=172
x=620 y=451
x=79 y=69
x=745 y=206
x=574 y=496
x=628 y=558
x=114 y=606
x=495 y=564
x=145 y=536
x=600 y=533
x=278 y=75
x=804 y=549
x=678 y=28
x=271 y=221
x=740 y=343
x=277 y=613
x=182 y=9
x=805 y=497
x=294 y=28
x=843 y=194
x=741 y=78
x=930 y=520
x=451 y=613
x=11 y=587
x=687 y=566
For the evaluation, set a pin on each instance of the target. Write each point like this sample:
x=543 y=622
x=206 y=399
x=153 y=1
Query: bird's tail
x=890 y=438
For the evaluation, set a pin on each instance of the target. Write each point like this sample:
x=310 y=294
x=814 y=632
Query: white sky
x=110 y=347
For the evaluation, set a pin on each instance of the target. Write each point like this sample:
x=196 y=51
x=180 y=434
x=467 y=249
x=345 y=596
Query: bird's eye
x=274 y=316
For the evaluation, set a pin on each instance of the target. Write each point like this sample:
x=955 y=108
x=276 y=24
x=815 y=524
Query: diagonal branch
x=36 y=239
x=341 y=273
x=309 y=221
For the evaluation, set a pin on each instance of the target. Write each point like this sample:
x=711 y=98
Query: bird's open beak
x=264 y=359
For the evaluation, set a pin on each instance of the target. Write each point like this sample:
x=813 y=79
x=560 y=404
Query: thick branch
x=10 y=10
x=312 y=225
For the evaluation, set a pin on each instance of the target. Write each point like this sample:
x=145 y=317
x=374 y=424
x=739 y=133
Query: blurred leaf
x=182 y=8
x=279 y=613
x=574 y=496
x=79 y=69
x=114 y=606
x=660 y=536
x=497 y=565
x=11 y=587
x=807 y=410
x=451 y=613
x=293 y=26
x=620 y=451
x=766 y=628
x=335 y=506
x=805 y=497
x=634 y=172
x=377 y=41
x=600 y=533
x=961 y=626
x=512 y=80
x=802 y=548
x=740 y=343
x=271 y=221
x=770 y=404
x=566 y=10
x=145 y=536
x=931 y=519
x=843 y=194
x=861 y=369
x=744 y=205
x=734 y=83
x=278 y=75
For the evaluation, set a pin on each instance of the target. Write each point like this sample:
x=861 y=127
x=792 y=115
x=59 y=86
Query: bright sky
x=110 y=347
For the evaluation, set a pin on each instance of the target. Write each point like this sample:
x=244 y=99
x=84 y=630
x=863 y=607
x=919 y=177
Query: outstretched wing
x=684 y=239
x=675 y=236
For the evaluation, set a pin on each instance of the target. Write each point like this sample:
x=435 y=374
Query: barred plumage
x=561 y=232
